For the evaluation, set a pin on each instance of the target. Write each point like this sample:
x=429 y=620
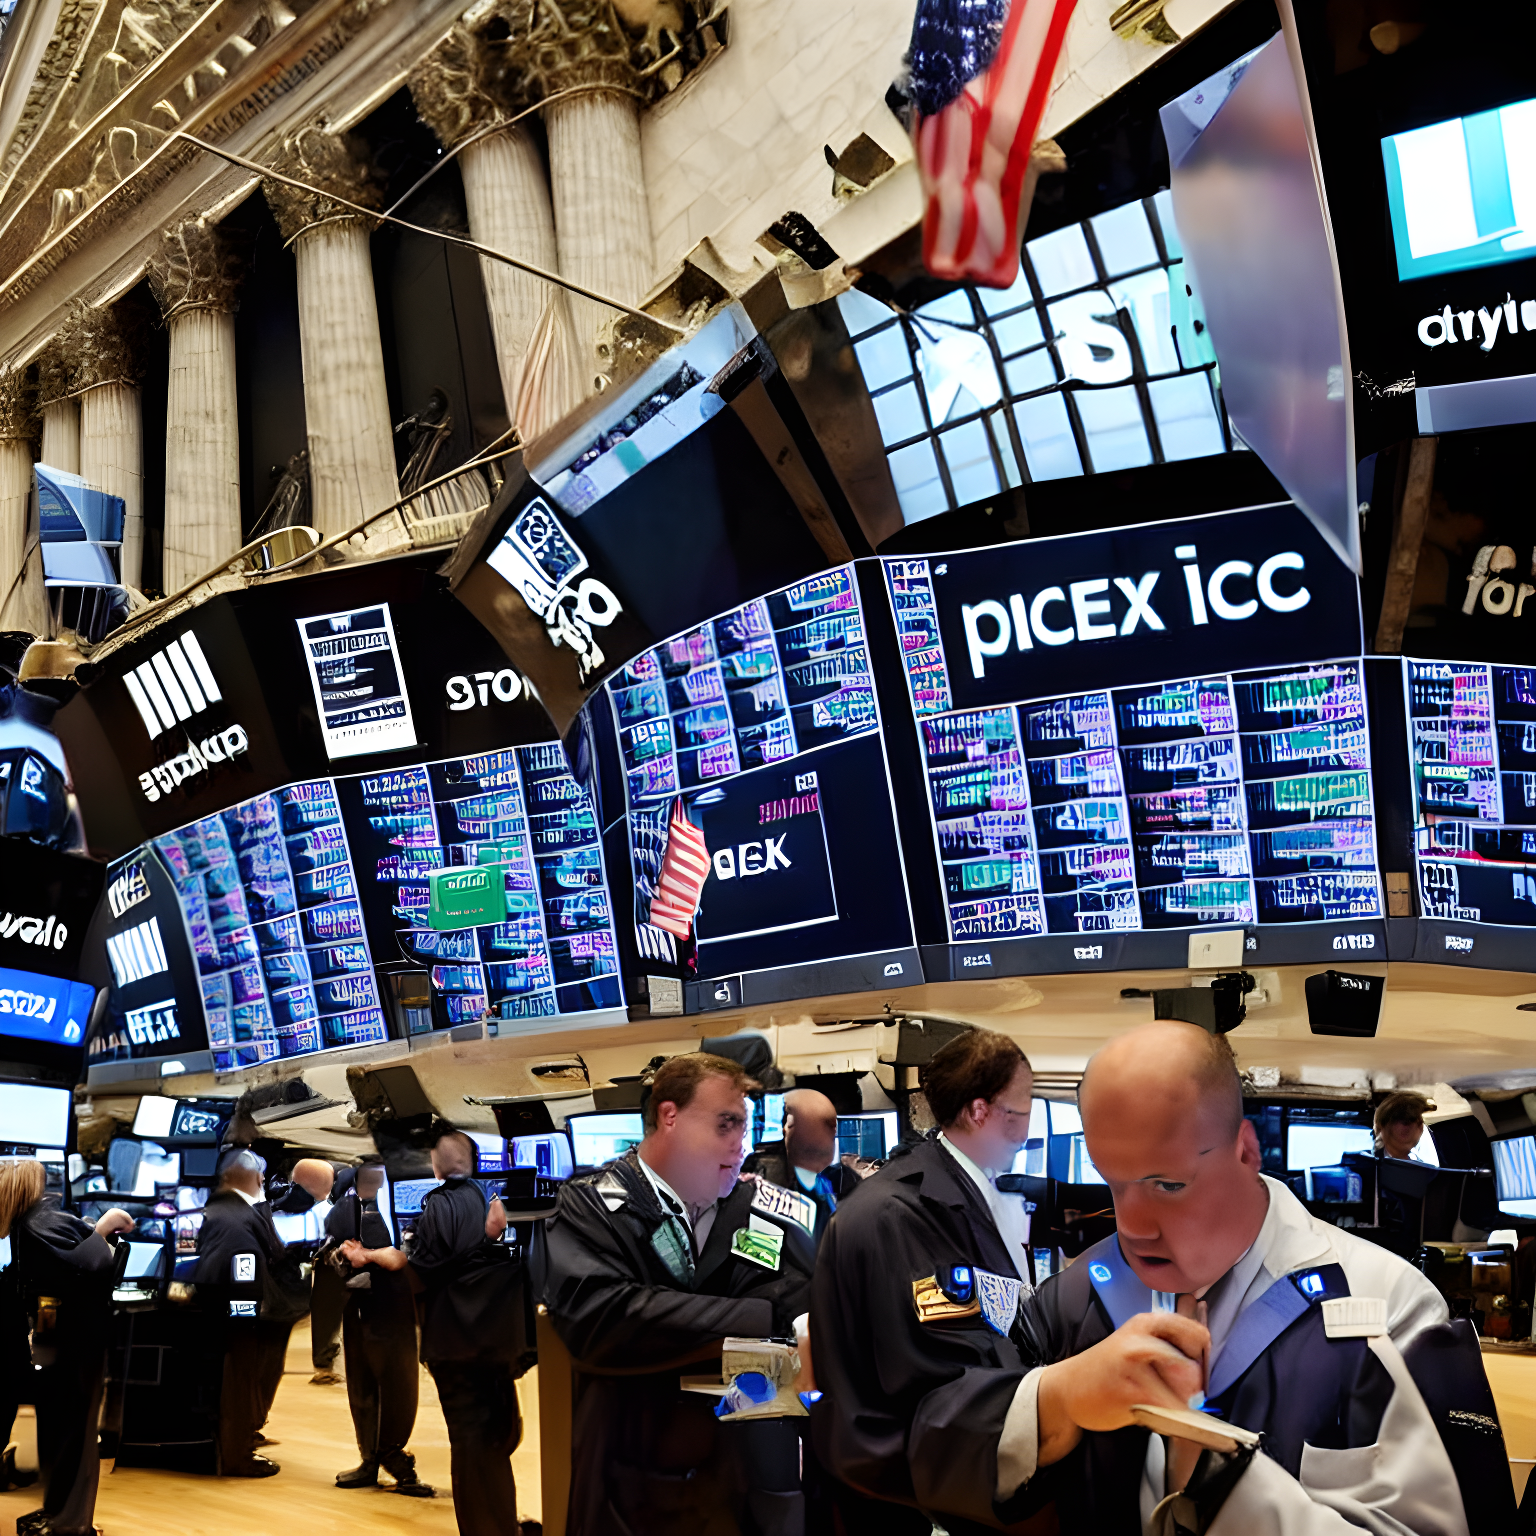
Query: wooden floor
x=314 y=1431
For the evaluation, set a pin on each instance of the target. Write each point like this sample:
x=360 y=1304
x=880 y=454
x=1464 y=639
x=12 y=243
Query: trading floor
x=313 y=1435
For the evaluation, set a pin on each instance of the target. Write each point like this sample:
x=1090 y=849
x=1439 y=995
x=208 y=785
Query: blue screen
x=44 y=1008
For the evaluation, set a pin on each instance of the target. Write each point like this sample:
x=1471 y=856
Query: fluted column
x=195 y=280
x=459 y=92
x=22 y=600
x=107 y=361
x=601 y=217
x=346 y=401
x=59 y=409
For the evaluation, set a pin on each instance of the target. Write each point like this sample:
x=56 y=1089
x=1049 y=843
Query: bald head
x=810 y=1129
x=1163 y=1119
x=1169 y=1068
x=315 y=1177
x=453 y=1156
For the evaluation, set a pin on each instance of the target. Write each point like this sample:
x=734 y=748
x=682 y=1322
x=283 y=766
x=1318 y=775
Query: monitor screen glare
x=1514 y=1173
x=33 y=1116
x=598 y=1139
x=1324 y=1146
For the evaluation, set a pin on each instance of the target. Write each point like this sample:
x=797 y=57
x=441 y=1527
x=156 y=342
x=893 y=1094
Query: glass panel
x=919 y=489
x=1088 y=338
x=1061 y=261
x=969 y=456
x=1018 y=331
x=1112 y=423
x=1163 y=203
x=860 y=312
x=954 y=307
x=1004 y=444
x=1049 y=447
x=958 y=372
x=884 y=357
x=1186 y=417
x=1146 y=297
x=1033 y=371
x=1125 y=239
x=900 y=414
x=998 y=301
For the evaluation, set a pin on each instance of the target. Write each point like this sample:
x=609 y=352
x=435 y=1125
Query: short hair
x=1400 y=1109
x=23 y=1181
x=243 y=1161
x=678 y=1077
x=466 y=1142
x=978 y=1064
x=1218 y=1077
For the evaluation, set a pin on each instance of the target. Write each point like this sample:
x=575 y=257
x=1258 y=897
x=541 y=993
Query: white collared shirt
x=1008 y=1213
x=251 y=1200
x=699 y=1221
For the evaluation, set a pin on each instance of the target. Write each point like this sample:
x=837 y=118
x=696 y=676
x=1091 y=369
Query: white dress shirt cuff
x=1018 y=1448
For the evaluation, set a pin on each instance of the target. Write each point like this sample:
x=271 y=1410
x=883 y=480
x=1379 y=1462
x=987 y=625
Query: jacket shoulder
x=1413 y=1301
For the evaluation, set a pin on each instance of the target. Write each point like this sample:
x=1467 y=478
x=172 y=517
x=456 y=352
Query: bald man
x=1220 y=1289
x=806 y=1159
x=300 y=1216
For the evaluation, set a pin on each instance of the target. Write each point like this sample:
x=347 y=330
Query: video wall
x=757 y=794
x=1472 y=730
x=1154 y=800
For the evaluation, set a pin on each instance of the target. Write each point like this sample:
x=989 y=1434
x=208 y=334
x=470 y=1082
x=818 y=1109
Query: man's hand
x=495 y=1219
x=1154 y=1359
x=111 y=1223
x=354 y=1253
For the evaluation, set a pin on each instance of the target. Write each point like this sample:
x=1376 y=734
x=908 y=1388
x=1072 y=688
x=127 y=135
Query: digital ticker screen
x=1473 y=738
x=1227 y=800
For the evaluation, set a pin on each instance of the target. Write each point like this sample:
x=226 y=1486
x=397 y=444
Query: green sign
x=467 y=897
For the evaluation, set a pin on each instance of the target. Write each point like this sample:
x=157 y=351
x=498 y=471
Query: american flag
x=981 y=75
x=684 y=869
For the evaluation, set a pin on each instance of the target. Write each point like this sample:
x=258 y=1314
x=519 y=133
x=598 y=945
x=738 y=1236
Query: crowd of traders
x=941 y=1389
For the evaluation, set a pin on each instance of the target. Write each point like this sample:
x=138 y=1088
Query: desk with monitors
x=1472 y=735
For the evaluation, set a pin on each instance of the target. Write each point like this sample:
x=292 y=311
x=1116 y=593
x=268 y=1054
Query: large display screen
x=519 y=809
x=1091 y=774
x=760 y=830
x=1472 y=731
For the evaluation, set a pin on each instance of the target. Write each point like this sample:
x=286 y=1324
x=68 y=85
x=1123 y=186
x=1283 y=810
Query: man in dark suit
x=807 y=1157
x=237 y=1245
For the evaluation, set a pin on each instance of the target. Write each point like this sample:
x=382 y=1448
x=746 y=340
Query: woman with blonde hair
x=1399 y=1126
x=64 y=1269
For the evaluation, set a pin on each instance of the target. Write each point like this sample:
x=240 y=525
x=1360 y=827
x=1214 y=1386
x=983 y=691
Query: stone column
x=601 y=216
x=107 y=371
x=459 y=92
x=346 y=402
x=23 y=603
x=60 y=410
x=194 y=281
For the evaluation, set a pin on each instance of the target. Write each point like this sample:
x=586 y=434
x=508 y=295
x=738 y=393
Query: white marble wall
x=743 y=142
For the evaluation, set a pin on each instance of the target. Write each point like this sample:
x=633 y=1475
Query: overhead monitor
x=600 y=1138
x=1514 y=1175
x=43 y=1010
x=759 y=829
x=1472 y=735
x=154 y=1116
x=1097 y=793
x=870 y=1137
x=32 y=1115
x=1324 y=1146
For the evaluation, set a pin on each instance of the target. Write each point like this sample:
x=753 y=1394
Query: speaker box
x=1344 y=1003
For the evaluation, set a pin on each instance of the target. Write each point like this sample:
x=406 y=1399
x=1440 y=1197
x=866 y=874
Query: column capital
x=96 y=345
x=557 y=45
x=18 y=403
x=338 y=163
x=196 y=267
x=461 y=86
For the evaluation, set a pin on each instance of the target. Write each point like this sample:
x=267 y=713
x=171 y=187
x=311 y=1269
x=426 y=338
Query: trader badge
x=999 y=1297
x=786 y=1204
x=933 y=1306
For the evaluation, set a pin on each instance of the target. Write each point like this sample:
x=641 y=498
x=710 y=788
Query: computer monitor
x=548 y=1154
x=154 y=1116
x=157 y=1167
x=145 y=1261
x=1030 y=1159
x=1067 y=1158
x=599 y=1138
x=1324 y=1146
x=408 y=1194
x=34 y=1116
x=1514 y=1175
x=870 y=1137
x=492 y=1150
x=768 y=1119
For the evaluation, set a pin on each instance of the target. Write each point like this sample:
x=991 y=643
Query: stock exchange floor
x=312 y=1434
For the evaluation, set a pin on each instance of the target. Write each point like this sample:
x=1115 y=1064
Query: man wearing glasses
x=919 y=1280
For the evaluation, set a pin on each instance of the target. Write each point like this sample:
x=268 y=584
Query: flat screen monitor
x=145 y=1261
x=492 y=1151
x=154 y=1116
x=1031 y=1156
x=157 y=1167
x=769 y=1119
x=34 y=1116
x=869 y=1137
x=599 y=1138
x=1324 y=1146
x=408 y=1195
x=548 y=1154
x=1514 y=1175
